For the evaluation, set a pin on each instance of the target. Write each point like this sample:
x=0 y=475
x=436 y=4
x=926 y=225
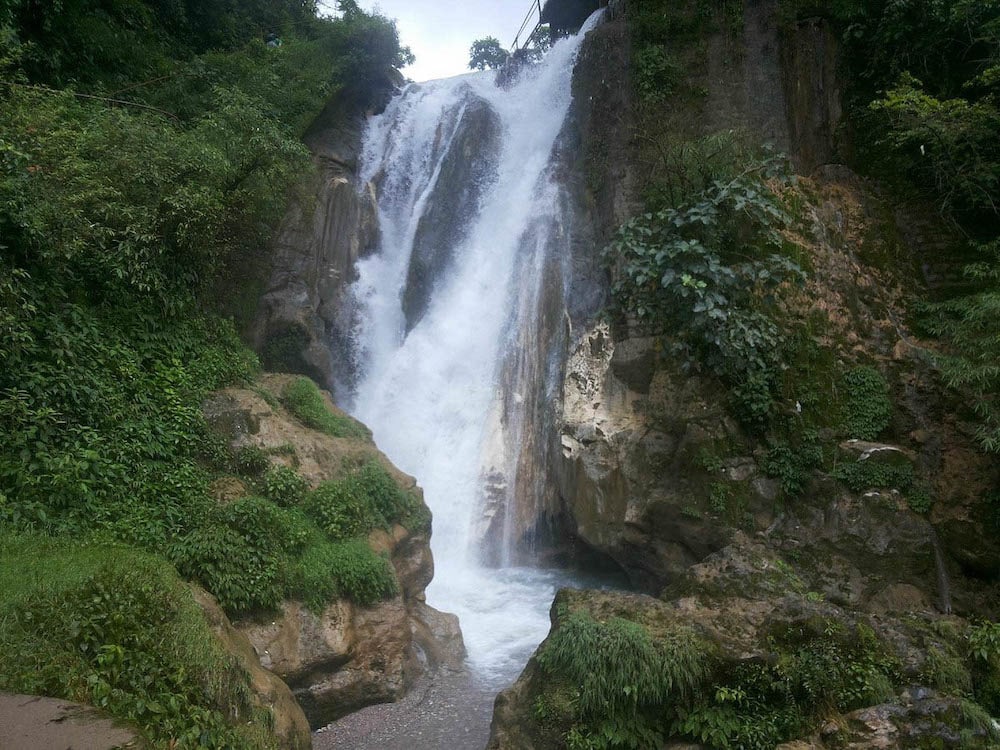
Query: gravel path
x=446 y=711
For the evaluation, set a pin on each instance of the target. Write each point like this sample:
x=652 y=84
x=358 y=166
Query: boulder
x=749 y=606
x=290 y=724
x=345 y=657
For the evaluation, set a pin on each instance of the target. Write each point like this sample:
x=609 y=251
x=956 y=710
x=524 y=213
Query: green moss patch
x=303 y=399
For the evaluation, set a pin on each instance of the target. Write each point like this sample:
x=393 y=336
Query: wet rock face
x=321 y=237
x=631 y=432
x=467 y=171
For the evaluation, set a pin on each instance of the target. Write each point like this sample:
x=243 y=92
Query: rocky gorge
x=637 y=395
x=755 y=547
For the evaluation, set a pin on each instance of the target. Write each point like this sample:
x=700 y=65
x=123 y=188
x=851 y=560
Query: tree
x=487 y=53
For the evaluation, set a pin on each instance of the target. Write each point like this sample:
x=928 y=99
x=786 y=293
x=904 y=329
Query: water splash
x=464 y=217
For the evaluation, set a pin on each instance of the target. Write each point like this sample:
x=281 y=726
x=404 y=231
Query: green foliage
x=342 y=509
x=792 y=464
x=119 y=630
x=118 y=221
x=347 y=568
x=946 y=672
x=919 y=497
x=363 y=500
x=487 y=53
x=620 y=675
x=251 y=460
x=656 y=73
x=819 y=665
x=969 y=324
x=389 y=500
x=708 y=272
x=867 y=407
x=615 y=684
x=946 y=146
x=873 y=474
x=233 y=555
x=285 y=486
x=122 y=203
x=983 y=643
x=303 y=399
x=923 y=91
x=720 y=496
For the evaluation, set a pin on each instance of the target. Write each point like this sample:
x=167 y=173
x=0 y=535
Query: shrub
x=620 y=672
x=394 y=503
x=867 y=406
x=303 y=399
x=243 y=575
x=349 y=569
x=250 y=460
x=870 y=474
x=285 y=486
x=706 y=273
x=118 y=629
x=656 y=73
x=792 y=464
x=816 y=666
x=342 y=509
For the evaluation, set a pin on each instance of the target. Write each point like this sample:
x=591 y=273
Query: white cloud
x=440 y=33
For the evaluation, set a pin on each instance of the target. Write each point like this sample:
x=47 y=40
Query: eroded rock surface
x=331 y=224
x=345 y=657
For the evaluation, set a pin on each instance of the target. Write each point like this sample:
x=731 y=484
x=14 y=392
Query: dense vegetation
x=714 y=262
x=109 y=626
x=922 y=116
x=615 y=683
x=147 y=150
x=714 y=265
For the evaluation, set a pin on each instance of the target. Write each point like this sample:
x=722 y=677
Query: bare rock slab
x=28 y=722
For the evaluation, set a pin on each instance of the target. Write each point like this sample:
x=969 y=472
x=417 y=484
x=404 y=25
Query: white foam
x=427 y=395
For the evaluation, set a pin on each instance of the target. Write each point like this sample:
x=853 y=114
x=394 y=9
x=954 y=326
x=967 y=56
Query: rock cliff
x=345 y=656
x=650 y=468
x=330 y=223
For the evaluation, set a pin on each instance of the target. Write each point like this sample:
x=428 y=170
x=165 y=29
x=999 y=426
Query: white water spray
x=430 y=394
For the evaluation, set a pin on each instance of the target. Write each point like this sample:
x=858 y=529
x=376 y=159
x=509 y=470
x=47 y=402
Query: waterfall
x=469 y=214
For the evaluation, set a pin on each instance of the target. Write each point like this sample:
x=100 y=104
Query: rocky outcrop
x=750 y=609
x=328 y=226
x=345 y=657
x=290 y=725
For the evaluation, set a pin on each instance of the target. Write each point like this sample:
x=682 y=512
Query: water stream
x=467 y=198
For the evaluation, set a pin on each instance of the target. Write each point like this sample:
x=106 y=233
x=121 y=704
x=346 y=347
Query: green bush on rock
x=618 y=683
x=285 y=486
x=706 y=271
x=621 y=677
x=867 y=407
x=303 y=399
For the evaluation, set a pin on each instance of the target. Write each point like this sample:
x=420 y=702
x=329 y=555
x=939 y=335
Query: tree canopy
x=487 y=53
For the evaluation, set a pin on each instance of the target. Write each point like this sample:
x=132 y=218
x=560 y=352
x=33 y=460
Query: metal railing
x=534 y=12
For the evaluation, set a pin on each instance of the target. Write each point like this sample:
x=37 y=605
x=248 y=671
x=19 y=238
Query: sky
x=440 y=33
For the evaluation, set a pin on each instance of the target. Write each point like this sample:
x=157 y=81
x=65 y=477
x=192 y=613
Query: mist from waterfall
x=429 y=383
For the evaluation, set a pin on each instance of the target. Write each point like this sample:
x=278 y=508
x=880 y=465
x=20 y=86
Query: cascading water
x=467 y=204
